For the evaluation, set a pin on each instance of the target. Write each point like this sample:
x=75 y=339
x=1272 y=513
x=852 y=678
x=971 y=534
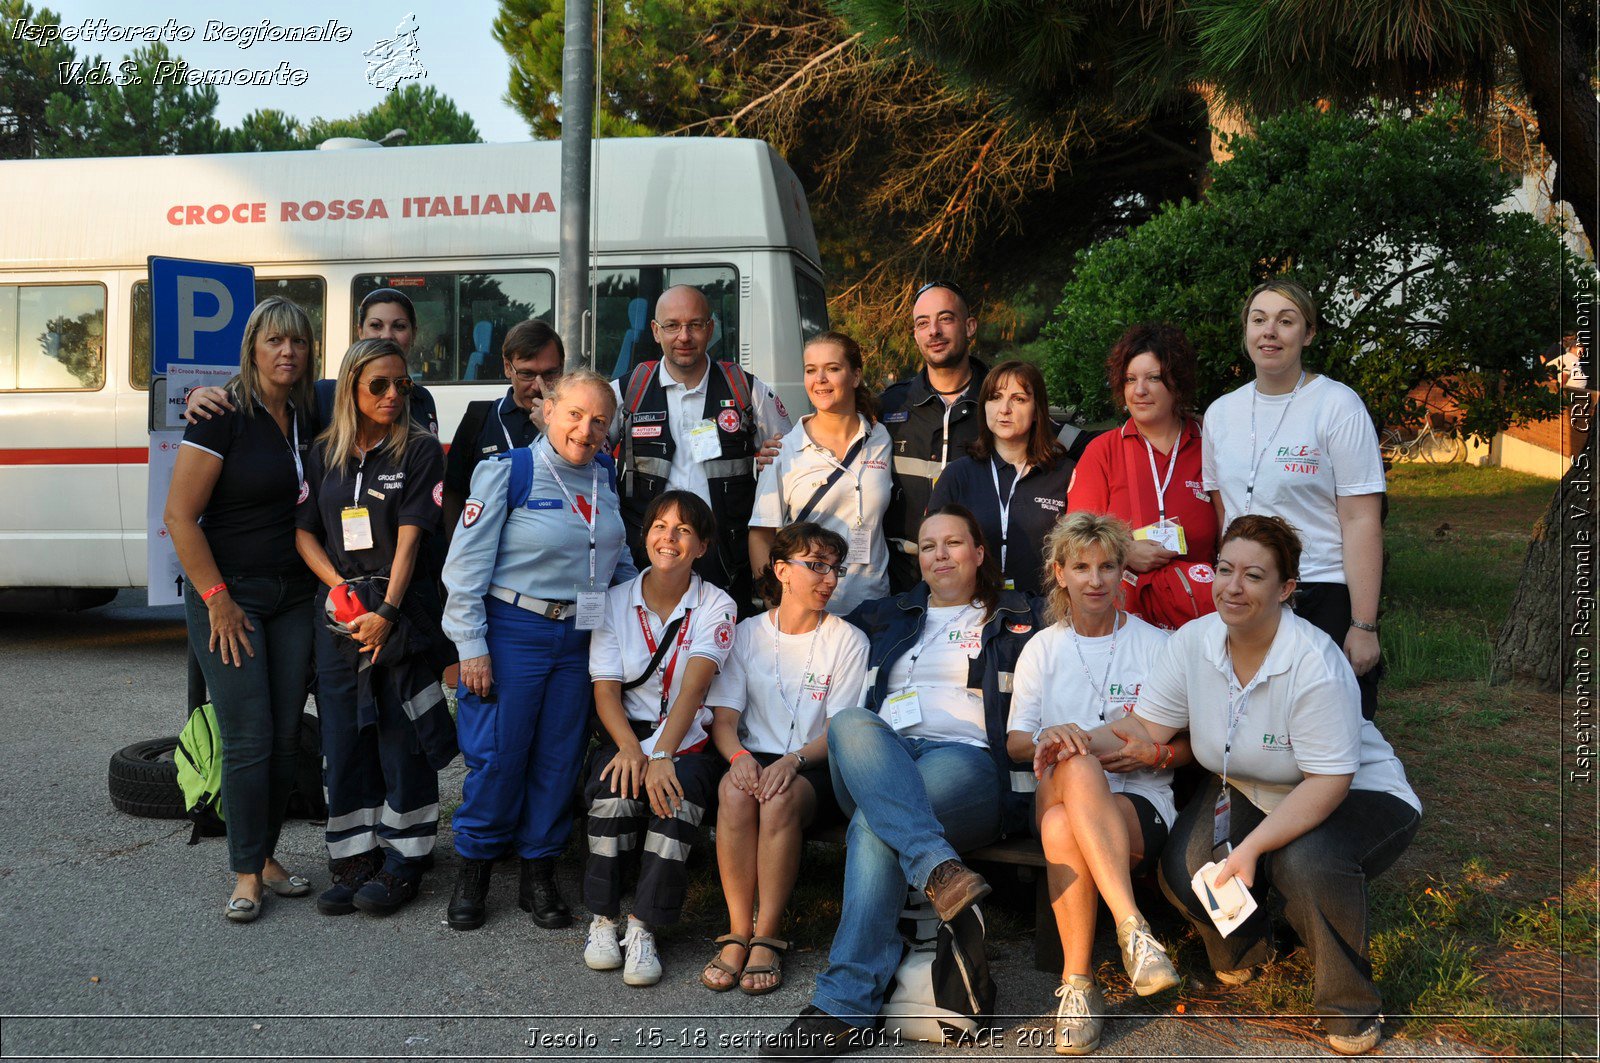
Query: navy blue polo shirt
x=505 y=427
x=249 y=520
x=394 y=494
x=1036 y=504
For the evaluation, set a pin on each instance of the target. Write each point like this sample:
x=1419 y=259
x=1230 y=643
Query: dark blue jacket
x=892 y=626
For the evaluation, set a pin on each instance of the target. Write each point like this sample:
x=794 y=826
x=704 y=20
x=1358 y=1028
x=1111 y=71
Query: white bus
x=470 y=232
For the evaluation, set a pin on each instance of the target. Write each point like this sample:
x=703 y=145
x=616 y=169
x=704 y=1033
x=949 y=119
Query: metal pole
x=577 y=123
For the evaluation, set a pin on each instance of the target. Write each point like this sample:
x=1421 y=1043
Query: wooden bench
x=1021 y=853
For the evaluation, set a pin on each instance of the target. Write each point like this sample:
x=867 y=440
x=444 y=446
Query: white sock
x=634 y=922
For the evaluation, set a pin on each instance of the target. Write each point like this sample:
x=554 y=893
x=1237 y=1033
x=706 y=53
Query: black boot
x=538 y=894
x=467 y=903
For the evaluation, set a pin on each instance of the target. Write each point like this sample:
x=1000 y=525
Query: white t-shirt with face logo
x=781 y=715
x=950 y=640
x=1050 y=689
x=1326 y=449
x=1300 y=714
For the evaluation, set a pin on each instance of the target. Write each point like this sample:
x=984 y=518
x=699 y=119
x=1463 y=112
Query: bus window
x=309 y=292
x=52 y=337
x=813 y=305
x=625 y=301
x=463 y=318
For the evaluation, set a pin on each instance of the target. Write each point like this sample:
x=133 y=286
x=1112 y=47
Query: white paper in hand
x=1229 y=906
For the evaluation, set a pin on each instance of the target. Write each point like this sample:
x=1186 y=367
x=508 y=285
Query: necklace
x=958 y=389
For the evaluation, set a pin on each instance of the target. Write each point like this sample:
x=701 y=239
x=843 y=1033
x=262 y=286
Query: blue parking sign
x=198 y=312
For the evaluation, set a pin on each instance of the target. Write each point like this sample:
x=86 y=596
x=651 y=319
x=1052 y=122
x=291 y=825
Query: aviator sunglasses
x=379 y=386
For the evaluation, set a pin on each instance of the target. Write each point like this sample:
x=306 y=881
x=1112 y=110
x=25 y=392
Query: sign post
x=198 y=312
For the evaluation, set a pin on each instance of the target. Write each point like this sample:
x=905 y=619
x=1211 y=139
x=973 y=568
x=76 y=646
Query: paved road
x=112 y=940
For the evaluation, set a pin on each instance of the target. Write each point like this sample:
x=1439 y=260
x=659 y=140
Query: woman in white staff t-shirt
x=792 y=667
x=1298 y=445
x=1101 y=820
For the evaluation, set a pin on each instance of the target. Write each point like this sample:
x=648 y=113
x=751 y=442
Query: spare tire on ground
x=143 y=780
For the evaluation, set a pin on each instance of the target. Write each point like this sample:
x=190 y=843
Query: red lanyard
x=672 y=662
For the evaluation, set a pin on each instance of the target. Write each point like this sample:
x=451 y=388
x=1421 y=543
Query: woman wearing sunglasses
x=772 y=728
x=372 y=493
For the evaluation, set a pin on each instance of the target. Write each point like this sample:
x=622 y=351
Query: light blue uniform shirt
x=541 y=549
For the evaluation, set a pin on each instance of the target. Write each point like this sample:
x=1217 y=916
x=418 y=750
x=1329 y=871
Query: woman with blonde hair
x=247 y=598
x=373 y=492
x=1102 y=819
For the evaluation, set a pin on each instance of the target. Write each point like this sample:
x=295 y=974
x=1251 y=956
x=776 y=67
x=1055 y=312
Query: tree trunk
x=1554 y=65
x=1552 y=612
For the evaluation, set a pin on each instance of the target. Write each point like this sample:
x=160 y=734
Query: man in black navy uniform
x=688 y=423
x=533 y=357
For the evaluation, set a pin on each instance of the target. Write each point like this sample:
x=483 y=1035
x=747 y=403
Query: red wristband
x=205 y=596
x=736 y=756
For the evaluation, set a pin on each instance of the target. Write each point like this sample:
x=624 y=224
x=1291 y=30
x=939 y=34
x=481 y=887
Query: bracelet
x=1362 y=625
x=736 y=756
x=1172 y=755
x=1159 y=754
x=206 y=596
x=388 y=612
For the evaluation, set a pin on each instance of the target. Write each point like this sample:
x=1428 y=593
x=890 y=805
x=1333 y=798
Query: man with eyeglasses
x=533 y=357
x=687 y=424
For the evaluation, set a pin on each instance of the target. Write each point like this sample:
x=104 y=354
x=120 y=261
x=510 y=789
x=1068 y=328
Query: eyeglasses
x=672 y=328
x=550 y=377
x=821 y=568
x=949 y=286
x=379 y=386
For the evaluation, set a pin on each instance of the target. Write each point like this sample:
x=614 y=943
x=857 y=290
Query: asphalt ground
x=113 y=942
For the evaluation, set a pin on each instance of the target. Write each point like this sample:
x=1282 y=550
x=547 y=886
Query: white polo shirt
x=952 y=711
x=686 y=407
x=1049 y=689
x=861 y=493
x=1326 y=449
x=1300 y=715
x=618 y=649
x=779 y=716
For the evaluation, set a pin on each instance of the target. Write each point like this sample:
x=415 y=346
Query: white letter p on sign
x=189 y=322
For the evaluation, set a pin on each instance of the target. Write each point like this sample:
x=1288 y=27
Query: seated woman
x=772 y=728
x=651 y=781
x=1103 y=819
x=922 y=769
x=1313 y=808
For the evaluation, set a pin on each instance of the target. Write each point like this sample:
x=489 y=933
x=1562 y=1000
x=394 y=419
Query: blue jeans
x=258 y=706
x=523 y=745
x=1322 y=876
x=913 y=804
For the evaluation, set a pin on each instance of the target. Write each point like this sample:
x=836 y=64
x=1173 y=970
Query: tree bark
x=1554 y=65
x=1553 y=609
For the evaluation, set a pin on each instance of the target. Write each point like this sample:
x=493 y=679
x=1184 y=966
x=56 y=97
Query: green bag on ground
x=199 y=761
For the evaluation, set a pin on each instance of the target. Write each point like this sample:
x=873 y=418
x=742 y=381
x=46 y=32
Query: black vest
x=645 y=462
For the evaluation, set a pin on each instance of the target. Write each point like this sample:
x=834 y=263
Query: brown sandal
x=777 y=948
x=716 y=961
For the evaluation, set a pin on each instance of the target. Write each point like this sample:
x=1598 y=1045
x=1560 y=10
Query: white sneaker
x=602 y=953
x=1359 y=1043
x=1080 y=1017
x=644 y=966
x=1143 y=957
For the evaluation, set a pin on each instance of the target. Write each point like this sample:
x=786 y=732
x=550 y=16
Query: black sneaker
x=349 y=875
x=814 y=1035
x=386 y=893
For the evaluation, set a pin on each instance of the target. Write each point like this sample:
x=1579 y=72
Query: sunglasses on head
x=949 y=286
x=379 y=386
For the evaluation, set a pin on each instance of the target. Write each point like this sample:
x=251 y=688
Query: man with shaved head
x=687 y=423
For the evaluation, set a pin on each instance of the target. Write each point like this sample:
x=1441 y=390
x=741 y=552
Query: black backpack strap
x=661 y=651
x=833 y=478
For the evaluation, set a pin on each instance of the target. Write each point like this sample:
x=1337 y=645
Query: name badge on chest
x=704 y=443
x=903 y=709
x=860 y=546
x=591 y=609
x=357 y=528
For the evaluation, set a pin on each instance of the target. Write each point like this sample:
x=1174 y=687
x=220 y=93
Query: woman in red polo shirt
x=1148 y=474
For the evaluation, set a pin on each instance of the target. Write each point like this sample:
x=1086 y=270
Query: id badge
x=860 y=546
x=703 y=442
x=591 y=609
x=1167 y=534
x=357 y=528
x=904 y=709
x=1220 y=823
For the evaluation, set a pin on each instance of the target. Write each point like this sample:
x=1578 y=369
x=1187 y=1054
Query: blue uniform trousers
x=382 y=792
x=523 y=746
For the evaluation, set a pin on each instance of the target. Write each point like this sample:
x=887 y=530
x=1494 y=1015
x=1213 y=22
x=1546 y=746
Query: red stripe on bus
x=76 y=456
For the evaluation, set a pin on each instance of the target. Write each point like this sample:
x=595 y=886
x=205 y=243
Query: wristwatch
x=800 y=759
x=661 y=754
x=1362 y=625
